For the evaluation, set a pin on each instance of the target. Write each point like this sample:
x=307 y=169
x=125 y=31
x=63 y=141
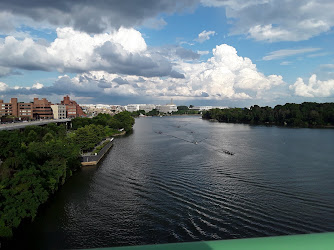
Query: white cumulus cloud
x=37 y=85
x=3 y=86
x=314 y=87
x=225 y=75
x=123 y=51
x=205 y=35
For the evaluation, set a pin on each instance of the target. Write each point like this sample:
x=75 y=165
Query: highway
x=19 y=125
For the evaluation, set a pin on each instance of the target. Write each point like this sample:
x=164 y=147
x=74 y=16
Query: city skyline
x=208 y=52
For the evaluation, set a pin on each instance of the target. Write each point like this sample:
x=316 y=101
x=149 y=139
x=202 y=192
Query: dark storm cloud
x=121 y=62
x=94 y=16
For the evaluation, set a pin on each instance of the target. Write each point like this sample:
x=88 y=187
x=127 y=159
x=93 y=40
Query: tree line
x=37 y=161
x=307 y=114
x=182 y=110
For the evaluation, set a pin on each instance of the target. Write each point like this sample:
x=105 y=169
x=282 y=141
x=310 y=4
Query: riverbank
x=305 y=115
x=92 y=160
x=267 y=124
x=38 y=160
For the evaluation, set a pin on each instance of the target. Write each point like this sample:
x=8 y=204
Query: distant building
x=95 y=109
x=72 y=108
x=203 y=108
x=168 y=108
x=42 y=109
x=59 y=111
x=147 y=107
x=38 y=109
x=132 y=107
x=16 y=109
x=25 y=110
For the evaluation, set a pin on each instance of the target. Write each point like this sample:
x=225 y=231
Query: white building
x=59 y=111
x=147 y=107
x=132 y=107
x=168 y=108
x=202 y=108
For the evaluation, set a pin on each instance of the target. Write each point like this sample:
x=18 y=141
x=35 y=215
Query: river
x=178 y=179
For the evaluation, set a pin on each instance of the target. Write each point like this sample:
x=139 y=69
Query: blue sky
x=201 y=52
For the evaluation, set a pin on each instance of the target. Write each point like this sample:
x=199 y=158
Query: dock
x=92 y=160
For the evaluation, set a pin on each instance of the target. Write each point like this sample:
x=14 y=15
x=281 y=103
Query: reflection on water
x=158 y=186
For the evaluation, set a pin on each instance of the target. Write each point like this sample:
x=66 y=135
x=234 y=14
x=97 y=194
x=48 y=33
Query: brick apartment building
x=72 y=108
x=16 y=109
x=41 y=109
x=38 y=109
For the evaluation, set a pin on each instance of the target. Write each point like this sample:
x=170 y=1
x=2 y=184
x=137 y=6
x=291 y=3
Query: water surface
x=157 y=186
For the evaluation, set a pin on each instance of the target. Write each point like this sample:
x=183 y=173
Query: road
x=19 y=125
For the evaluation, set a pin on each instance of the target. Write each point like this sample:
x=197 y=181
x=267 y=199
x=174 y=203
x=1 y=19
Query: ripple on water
x=155 y=188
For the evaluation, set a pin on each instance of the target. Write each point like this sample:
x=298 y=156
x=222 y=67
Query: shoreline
x=272 y=124
x=93 y=160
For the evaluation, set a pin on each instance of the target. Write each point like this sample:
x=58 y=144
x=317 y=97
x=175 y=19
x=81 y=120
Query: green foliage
x=98 y=148
x=118 y=121
x=307 y=114
x=186 y=112
x=137 y=113
x=38 y=160
x=35 y=162
x=79 y=122
x=87 y=137
x=153 y=112
x=180 y=108
x=125 y=120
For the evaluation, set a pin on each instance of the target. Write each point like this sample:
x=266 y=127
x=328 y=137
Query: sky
x=234 y=53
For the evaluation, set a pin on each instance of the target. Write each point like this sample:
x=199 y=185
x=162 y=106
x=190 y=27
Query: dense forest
x=37 y=161
x=307 y=114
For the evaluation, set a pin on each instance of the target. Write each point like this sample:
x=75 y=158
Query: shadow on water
x=40 y=235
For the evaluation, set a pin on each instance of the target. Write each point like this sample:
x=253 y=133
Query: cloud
x=314 y=88
x=123 y=52
x=205 y=52
x=6 y=24
x=92 y=16
x=283 y=53
x=120 y=81
x=175 y=52
x=327 y=66
x=4 y=71
x=37 y=85
x=186 y=54
x=285 y=63
x=205 y=35
x=155 y=23
x=224 y=76
x=3 y=86
x=272 y=20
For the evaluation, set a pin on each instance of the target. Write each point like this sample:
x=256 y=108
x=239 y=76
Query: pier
x=92 y=160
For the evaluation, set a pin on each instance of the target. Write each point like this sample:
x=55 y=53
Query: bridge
x=323 y=241
x=22 y=125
